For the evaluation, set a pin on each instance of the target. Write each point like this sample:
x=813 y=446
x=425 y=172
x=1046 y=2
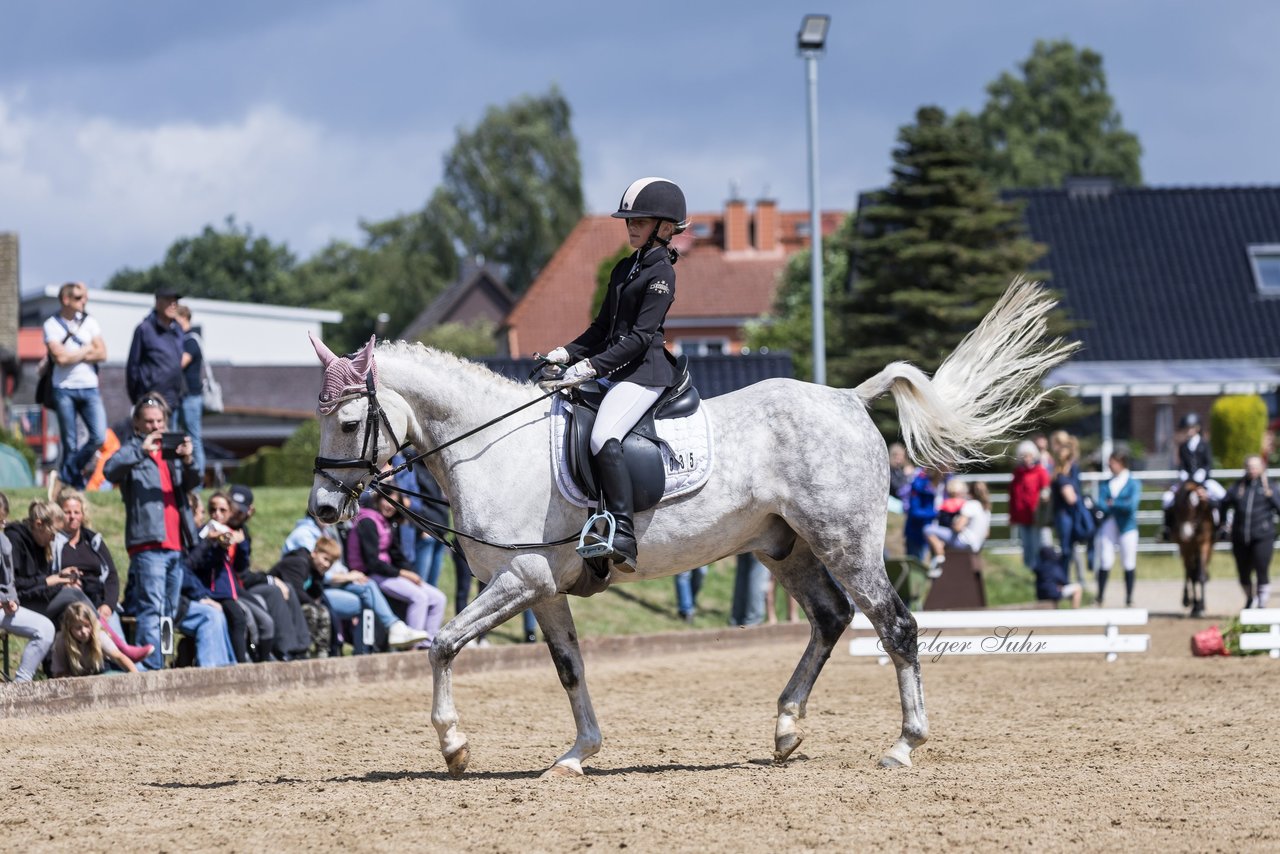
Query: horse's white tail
x=983 y=390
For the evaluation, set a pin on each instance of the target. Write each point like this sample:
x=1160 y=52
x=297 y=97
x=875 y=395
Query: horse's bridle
x=368 y=459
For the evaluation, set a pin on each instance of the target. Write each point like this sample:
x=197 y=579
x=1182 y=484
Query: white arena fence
x=996 y=632
x=1150 y=514
x=1261 y=640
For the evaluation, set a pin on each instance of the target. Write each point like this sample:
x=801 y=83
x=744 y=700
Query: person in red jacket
x=1030 y=485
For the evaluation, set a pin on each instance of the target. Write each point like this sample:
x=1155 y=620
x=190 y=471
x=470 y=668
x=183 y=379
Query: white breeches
x=623 y=405
x=1216 y=491
x=1109 y=538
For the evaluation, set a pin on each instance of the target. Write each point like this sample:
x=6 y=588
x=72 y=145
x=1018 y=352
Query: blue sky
x=124 y=125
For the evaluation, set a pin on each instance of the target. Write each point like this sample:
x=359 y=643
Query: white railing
x=1014 y=633
x=1261 y=640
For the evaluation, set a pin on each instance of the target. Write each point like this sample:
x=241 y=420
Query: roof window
x=1265 y=260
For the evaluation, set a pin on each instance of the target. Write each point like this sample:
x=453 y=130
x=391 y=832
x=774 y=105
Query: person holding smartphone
x=154 y=483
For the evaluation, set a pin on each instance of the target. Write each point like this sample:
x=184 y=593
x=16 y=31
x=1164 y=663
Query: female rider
x=623 y=346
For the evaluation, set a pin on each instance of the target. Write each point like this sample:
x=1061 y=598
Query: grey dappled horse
x=800 y=480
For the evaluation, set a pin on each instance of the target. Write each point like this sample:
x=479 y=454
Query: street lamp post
x=810 y=42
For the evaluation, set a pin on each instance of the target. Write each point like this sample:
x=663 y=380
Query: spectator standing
x=40 y=588
x=428 y=549
x=77 y=349
x=373 y=548
x=17 y=620
x=191 y=412
x=1253 y=530
x=922 y=508
x=1029 y=486
x=158 y=523
x=1065 y=494
x=901 y=473
x=155 y=356
x=749 y=582
x=688 y=585
x=1118 y=500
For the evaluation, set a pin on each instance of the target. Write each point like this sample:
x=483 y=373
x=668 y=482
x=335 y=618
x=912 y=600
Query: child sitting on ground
x=1053 y=583
x=82 y=648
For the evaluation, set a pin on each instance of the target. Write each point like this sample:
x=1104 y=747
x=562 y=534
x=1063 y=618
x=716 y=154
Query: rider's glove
x=559 y=355
x=579 y=372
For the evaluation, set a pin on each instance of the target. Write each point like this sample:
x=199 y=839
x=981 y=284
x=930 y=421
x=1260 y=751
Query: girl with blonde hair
x=81 y=648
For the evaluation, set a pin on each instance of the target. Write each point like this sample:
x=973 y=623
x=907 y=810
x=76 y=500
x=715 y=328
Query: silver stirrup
x=591 y=544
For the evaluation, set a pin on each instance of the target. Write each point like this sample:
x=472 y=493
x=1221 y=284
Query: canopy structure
x=1200 y=377
x=1162 y=378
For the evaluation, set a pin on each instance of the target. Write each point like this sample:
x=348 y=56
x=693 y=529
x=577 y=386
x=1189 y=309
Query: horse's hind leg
x=556 y=621
x=829 y=612
x=868 y=584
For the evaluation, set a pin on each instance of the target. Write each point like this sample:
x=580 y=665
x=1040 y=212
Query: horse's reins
x=368 y=461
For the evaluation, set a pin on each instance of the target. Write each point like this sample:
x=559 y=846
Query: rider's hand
x=559 y=356
x=580 y=372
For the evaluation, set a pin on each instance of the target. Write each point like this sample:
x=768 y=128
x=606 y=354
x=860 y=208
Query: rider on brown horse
x=1195 y=464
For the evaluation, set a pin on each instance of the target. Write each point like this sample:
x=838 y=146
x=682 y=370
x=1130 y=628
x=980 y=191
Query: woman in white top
x=966 y=528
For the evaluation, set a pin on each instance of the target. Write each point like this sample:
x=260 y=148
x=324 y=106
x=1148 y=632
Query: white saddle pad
x=686 y=450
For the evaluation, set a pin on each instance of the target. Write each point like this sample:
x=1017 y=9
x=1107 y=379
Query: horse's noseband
x=368 y=459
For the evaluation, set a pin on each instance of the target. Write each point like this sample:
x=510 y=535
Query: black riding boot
x=615 y=483
x=1103 y=575
x=1166 y=533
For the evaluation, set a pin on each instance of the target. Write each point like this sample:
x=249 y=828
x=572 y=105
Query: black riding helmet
x=654 y=197
x=1189 y=420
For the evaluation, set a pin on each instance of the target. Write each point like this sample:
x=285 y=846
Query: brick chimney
x=766 y=225
x=736 y=226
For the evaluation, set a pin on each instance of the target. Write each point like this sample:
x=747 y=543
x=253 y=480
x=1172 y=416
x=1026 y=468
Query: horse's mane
x=420 y=353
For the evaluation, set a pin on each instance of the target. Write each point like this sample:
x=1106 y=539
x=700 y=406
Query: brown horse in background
x=1193 y=531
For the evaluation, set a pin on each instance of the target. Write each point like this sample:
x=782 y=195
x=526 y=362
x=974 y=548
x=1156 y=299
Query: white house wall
x=233 y=333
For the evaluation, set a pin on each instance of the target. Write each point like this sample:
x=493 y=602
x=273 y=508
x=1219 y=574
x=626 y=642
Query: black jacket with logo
x=1256 y=504
x=625 y=341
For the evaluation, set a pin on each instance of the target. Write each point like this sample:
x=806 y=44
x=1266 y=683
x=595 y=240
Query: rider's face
x=639 y=229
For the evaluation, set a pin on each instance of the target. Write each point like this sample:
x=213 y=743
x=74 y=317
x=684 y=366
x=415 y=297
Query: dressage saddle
x=641 y=448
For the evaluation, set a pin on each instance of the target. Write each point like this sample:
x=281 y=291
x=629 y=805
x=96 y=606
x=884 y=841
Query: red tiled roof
x=710 y=283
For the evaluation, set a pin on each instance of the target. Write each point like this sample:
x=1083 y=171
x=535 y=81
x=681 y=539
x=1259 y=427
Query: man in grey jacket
x=15 y=619
x=157 y=519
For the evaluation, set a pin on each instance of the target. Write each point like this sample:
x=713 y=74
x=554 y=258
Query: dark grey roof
x=1160 y=273
x=440 y=310
x=713 y=375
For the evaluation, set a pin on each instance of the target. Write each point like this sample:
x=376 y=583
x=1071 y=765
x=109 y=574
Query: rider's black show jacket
x=625 y=341
x=1196 y=463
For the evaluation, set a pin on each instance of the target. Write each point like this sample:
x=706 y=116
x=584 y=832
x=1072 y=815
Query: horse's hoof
x=785 y=745
x=457 y=761
x=556 y=771
x=899 y=756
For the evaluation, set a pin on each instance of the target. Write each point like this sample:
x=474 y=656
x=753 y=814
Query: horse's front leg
x=506 y=595
x=556 y=621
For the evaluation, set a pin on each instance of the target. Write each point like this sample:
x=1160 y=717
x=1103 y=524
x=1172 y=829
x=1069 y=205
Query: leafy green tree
x=790 y=327
x=512 y=188
x=468 y=340
x=231 y=264
x=931 y=255
x=1056 y=120
x=403 y=264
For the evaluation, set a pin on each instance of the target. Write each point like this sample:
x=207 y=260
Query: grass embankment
x=635 y=608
